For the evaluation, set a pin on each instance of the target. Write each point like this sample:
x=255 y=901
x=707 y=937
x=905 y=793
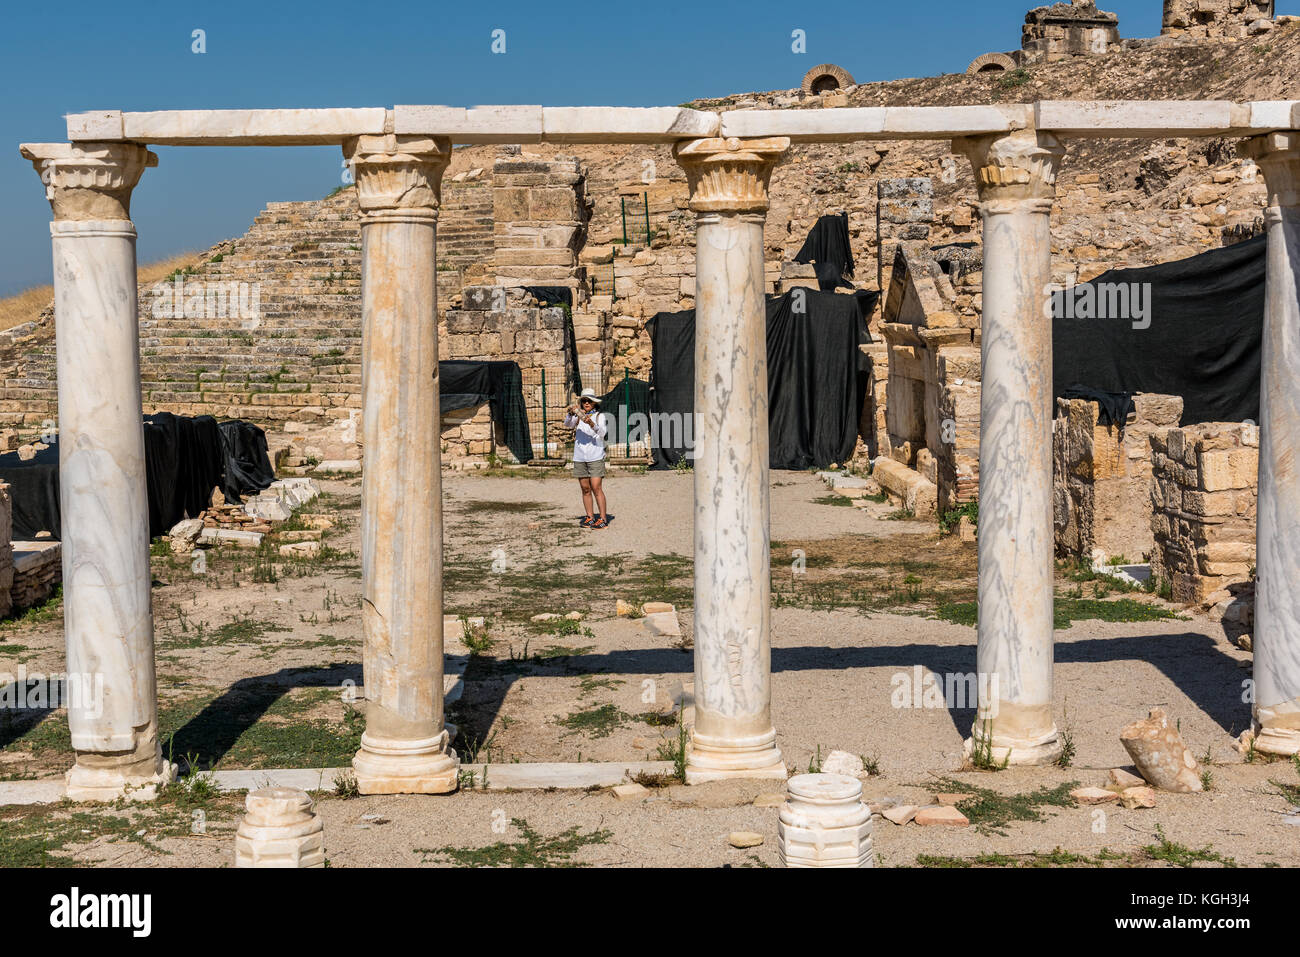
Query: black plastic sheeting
x=248 y=467
x=1113 y=408
x=628 y=408
x=1203 y=342
x=185 y=459
x=463 y=384
x=816 y=385
x=827 y=245
x=34 y=492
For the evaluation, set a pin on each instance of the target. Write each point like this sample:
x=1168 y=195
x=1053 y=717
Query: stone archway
x=826 y=77
x=990 y=63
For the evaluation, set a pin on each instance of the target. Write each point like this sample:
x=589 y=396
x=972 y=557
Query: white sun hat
x=589 y=394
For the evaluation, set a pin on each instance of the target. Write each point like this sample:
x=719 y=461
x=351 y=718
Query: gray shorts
x=594 y=469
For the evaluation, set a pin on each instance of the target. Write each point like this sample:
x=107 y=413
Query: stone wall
x=1214 y=19
x=1203 y=495
x=468 y=437
x=932 y=394
x=1066 y=30
x=1101 y=496
x=539 y=213
x=904 y=213
x=37 y=570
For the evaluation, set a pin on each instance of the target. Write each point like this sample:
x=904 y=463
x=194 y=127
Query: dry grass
x=27 y=305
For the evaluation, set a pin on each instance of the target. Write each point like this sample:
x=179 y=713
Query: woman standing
x=590 y=428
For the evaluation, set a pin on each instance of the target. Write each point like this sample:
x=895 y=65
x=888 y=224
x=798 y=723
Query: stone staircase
x=299 y=355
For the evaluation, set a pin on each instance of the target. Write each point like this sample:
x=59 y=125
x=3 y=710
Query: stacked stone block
x=1102 y=475
x=1214 y=19
x=540 y=213
x=1203 y=496
x=1065 y=30
x=932 y=397
x=904 y=212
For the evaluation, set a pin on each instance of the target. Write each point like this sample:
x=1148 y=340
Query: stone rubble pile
x=245 y=525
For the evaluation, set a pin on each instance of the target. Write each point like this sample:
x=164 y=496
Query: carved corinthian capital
x=89 y=181
x=398 y=172
x=1278 y=155
x=730 y=175
x=1013 y=167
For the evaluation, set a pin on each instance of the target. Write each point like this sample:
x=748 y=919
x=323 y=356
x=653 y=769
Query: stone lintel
x=595 y=124
x=229 y=127
x=1143 y=118
x=872 y=123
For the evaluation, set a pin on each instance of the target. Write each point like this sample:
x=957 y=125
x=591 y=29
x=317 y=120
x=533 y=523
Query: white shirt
x=588 y=442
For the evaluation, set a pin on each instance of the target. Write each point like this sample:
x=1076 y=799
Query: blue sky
x=72 y=56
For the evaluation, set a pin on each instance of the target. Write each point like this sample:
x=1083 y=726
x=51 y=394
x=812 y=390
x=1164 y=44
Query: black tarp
x=185 y=459
x=1113 y=408
x=827 y=245
x=815 y=382
x=630 y=397
x=33 y=492
x=463 y=384
x=1203 y=341
x=248 y=468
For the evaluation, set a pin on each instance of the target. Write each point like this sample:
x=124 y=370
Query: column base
x=424 y=766
x=111 y=784
x=1279 y=741
x=717 y=759
x=1010 y=751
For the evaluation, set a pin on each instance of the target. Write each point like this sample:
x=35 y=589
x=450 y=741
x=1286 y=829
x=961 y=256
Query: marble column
x=1016 y=178
x=1276 y=725
x=108 y=621
x=405 y=748
x=733 y=734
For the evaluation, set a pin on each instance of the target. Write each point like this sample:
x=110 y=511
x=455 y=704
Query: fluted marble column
x=108 y=621
x=733 y=734
x=1016 y=178
x=405 y=747
x=1276 y=726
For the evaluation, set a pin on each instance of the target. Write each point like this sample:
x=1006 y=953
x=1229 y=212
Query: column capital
x=1278 y=156
x=1013 y=168
x=89 y=181
x=730 y=175
x=397 y=172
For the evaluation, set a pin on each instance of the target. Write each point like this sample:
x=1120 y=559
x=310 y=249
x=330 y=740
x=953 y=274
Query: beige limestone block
x=1161 y=756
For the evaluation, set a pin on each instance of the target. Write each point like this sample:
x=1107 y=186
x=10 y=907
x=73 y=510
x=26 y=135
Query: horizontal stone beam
x=600 y=124
x=556 y=124
x=228 y=127
x=479 y=124
x=608 y=124
x=877 y=122
x=1158 y=118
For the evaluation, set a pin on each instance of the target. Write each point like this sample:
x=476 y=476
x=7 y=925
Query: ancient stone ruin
x=1216 y=19
x=728 y=159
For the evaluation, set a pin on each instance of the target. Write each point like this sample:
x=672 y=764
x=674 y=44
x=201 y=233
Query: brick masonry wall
x=1203 y=496
x=1102 y=480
